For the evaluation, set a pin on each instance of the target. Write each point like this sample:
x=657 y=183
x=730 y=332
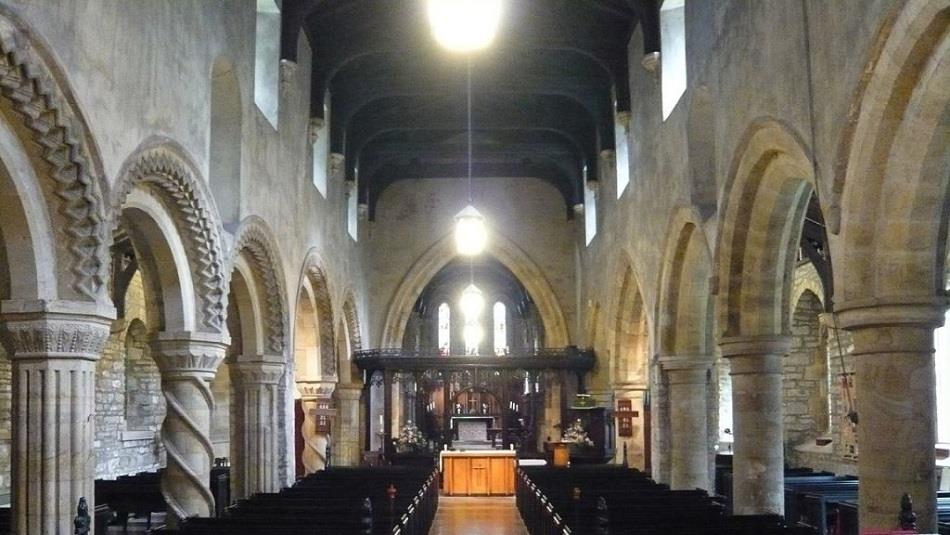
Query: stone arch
x=54 y=209
x=764 y=203
x=684 y=318
x=315 y=323
x=893 y=164
x=805 y=373
x=256 y=261
x=631 y=345
x=172 y=221
x=350 y=341
x=502 y=249
x=224 y=140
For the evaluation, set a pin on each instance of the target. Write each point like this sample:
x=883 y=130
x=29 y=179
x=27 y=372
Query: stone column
x=637 y=442
x=347 y=452
x=188 y=362
x=758 y=458
x=686 y=377
x=54 y=346
x=895 y=388
x=314 y=394
x=255 y=410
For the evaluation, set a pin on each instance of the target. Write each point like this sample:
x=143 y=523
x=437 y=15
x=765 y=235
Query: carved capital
x=54 y=329
x=315 y=390
x=313 y=130
x=925 y=311
x=257 y=373
x=685 y=362
x=188 y=354
x=751 y=346
x=348 y=393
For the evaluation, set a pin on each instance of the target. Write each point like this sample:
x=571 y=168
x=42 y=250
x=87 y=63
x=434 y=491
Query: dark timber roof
x=544 y=93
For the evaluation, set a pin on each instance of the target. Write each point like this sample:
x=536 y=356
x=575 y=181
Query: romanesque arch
x=315 y=365
x=892 y=180
x=175 y=231
x=502 y=249
x=260 y=322
x=763 y=207
x=347 y=443
x=684 y=347
x=53 y=280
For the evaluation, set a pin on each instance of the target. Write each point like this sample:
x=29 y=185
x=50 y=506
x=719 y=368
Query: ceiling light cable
x=469 y=87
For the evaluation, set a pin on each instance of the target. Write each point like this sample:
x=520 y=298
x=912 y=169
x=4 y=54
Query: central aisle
x=477 y=516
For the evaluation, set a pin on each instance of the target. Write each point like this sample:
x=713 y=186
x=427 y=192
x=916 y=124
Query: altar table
x=478 y=472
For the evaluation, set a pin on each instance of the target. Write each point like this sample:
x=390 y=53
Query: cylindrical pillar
x=347 y=447
x=895 y=388
x=54 y=347
x=255 y=462
x=758 y=460
x=686 y=377
x=188 y=362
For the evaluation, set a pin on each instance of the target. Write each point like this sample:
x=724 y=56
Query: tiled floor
x=477 y=516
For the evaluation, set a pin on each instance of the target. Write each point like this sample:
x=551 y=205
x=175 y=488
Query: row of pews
x=336 y=501
x=826 y=502
x=601 y=500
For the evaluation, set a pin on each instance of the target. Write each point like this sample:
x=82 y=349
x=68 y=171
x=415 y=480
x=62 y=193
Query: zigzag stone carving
x=166 y=174
x=254 y=241
x=28 y=88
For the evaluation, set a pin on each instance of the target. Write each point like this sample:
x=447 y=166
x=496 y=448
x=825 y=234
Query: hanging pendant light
x=472 y=304
x=470 y=233
x=464 y=25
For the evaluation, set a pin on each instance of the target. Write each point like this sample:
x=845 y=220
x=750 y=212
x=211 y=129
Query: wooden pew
x=6 y=520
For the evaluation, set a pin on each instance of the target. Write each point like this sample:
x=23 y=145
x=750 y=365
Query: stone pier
x=54 y=346
x=758 y=459
x=188 y=362
x=347 y=439
x=895 y=388
x=255 y=462
x=686 y=376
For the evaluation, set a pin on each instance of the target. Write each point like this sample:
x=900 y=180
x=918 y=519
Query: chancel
x=561 y=267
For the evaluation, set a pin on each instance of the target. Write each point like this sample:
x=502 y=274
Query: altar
x=478 y=473
x=472 y=428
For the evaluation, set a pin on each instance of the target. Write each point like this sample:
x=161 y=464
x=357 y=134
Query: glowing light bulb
x=464 y=25
x=471 y=236
x=472 y=303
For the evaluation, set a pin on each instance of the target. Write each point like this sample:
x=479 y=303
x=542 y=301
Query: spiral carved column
x=54 y=346
x=254 y=442
x=314 y=395
x=188 y=364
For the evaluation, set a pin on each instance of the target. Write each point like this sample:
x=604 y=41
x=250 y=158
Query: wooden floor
x=477 y=516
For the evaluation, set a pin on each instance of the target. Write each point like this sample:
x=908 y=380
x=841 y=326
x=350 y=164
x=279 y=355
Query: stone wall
x=130 y=406
x=805 y=374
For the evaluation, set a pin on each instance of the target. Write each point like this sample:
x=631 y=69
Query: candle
x=381 y=420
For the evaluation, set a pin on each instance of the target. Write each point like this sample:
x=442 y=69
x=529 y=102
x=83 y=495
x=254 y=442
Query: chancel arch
x=686 y=356
x=891 y=183
x=764 y=203
x=164 y=208
x=315 y=364
x=500 y=248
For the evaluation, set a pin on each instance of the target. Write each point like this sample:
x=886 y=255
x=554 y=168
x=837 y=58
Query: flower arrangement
x=576 y=434
x=411 y=439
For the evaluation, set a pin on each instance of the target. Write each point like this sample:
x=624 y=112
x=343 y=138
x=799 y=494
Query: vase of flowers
x=411 y=440
x=576 y=436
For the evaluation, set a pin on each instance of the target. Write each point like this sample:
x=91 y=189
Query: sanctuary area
x=447 y=267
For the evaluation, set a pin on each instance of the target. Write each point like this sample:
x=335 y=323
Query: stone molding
x=348 y=393
x=254 y=238
x=337 y=170
x=165 y=173
x=926 y=311
x=685 y=362
x=750 y=346
x=28 y=87
x=319 y=283
x=288 y=72
x=54 y=329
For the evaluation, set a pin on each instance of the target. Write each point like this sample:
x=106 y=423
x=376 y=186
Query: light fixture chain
x=469 y=92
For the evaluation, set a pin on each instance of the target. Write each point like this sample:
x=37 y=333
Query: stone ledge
x=131 y=436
